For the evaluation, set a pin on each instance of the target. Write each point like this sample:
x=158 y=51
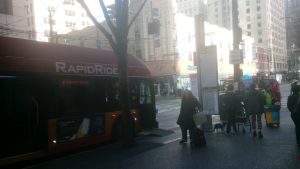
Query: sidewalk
x=275 y=151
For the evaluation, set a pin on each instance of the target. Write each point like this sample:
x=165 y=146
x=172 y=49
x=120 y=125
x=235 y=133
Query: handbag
x=199 y=118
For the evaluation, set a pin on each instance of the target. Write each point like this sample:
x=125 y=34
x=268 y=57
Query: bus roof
x=26 y=56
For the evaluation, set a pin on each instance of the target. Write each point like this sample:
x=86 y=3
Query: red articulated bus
x=55 y=98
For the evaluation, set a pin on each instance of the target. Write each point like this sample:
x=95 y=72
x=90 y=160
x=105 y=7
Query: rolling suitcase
x=198 y=138
x=272 y=115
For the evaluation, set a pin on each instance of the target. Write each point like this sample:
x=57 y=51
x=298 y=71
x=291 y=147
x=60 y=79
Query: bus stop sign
x=235 y=56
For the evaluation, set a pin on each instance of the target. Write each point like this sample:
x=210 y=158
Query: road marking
x=168 y=109
x=171 y=141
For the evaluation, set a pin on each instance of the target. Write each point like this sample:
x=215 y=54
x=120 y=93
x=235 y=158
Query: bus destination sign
x=96 y=69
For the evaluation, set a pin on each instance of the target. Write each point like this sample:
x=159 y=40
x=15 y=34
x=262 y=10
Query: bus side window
x=145 y=95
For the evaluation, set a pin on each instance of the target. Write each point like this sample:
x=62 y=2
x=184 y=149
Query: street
x=168 y=111
x=277 y=150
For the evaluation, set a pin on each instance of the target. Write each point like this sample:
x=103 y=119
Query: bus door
x=146 y=105
x=19 y=116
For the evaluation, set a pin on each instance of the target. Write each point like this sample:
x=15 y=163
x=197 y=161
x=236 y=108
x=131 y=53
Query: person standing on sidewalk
x=254 y=104
x=293 y=104
x=231 y=103
x=189 y=105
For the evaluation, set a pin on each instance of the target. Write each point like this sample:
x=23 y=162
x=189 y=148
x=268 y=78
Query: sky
x=96 y=9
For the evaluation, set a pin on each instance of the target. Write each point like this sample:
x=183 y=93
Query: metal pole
x=236 y=37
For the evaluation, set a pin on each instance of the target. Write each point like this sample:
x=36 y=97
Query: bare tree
x=117 y=36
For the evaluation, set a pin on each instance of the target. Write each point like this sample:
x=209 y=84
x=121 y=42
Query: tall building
x=165 y=39
x=13 y=21
x=293 y=23
x=293 y=34
x=154 y=34
x=264 y=20
x=219 y=13
x=41 y=20
x=50 y=17
x=190 y=7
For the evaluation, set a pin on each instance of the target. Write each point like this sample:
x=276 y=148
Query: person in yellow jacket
x=269 y=97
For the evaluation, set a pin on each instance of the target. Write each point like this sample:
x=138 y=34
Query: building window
x=260 y=40
x=67 y=41
x=6 y=7
x=258 y=16
x=82 y=43
x=137 y=35
x=248 y=10
x=139 y=53
x=248 y=18
x=69 y=13
x=249 y=33
x=28 y=21
x=70 y=2
x=248 y=26
x=69 y=24
x=247 y=2
x=45 y=20
x=258 y=8
x=98 y=43
x=32 y=20
x=46 y=33
x=27 y=9
x=259 y=24
x=259 y=32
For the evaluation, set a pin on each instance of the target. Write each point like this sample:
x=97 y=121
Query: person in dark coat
x=295 y=112
x=254 y=104
x=189 y=105
x=231 y=104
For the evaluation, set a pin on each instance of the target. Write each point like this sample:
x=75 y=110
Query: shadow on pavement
x=157 y=132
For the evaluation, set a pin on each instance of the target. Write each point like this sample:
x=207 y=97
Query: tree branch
x=97 y=24
x=107 y=18
x=138 y=12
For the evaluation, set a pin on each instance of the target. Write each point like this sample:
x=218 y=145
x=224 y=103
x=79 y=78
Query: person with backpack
x=293 y=104
x=254 y=105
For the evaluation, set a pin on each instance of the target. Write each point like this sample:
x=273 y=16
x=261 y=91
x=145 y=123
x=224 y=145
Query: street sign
x=235 y=57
